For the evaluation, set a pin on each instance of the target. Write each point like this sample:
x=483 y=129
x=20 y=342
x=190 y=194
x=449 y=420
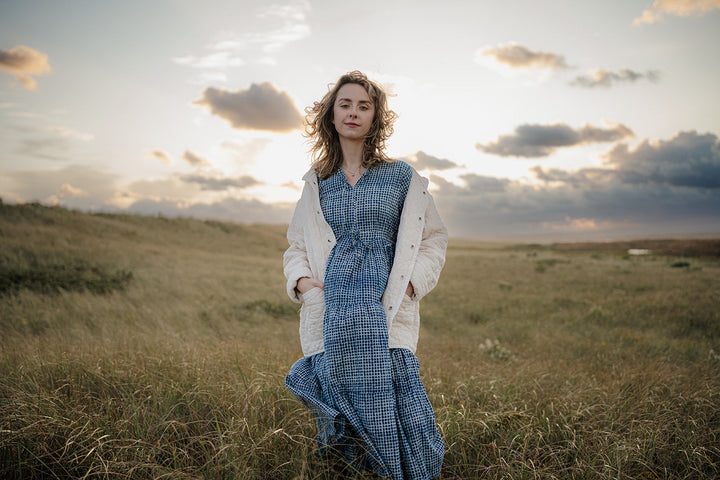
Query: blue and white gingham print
x=368 y=400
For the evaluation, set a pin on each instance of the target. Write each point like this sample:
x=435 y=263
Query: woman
x=366 y=244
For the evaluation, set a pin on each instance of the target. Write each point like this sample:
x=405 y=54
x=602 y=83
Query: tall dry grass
x=540 y=363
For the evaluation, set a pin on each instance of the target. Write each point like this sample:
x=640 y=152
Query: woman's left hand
x=410 y=291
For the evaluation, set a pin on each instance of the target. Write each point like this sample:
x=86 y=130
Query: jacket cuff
x=293 y=278
x=421 y=279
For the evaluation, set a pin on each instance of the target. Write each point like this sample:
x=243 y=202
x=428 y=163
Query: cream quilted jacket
x=419 y=257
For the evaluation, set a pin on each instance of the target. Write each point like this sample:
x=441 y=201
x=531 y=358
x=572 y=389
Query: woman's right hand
x=305 y=284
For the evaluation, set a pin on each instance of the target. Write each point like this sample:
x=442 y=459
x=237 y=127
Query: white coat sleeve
x=431 y=256
x=295 y=259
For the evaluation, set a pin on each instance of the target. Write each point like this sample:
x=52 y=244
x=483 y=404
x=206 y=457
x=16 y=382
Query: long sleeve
x=295 y=259
x=431 y=255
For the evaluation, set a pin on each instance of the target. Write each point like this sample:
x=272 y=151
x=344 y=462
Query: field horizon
x=153 y=347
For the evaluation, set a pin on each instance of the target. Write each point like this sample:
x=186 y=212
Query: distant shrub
x=680 y=264
x=543 y=265
x=54 y=278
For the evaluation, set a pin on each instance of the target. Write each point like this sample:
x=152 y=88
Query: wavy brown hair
x=323 y=138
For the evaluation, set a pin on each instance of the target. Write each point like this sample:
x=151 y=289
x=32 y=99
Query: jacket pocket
x=311 y=320
x=314 y=295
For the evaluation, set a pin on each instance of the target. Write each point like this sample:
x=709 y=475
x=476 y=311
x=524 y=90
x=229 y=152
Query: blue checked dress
x=368 y=400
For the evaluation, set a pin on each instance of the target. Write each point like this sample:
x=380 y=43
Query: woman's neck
x=352 y=154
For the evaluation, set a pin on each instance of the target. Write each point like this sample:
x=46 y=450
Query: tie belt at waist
x=369 y=241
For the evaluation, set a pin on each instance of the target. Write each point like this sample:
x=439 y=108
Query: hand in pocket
x=306 y=283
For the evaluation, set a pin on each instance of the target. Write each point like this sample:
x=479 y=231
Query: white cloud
x=680 y=8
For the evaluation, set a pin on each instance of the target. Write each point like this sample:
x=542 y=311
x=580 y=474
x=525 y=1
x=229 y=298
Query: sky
x=534 y=121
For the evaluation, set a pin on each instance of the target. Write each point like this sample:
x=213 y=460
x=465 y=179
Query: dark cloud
x=607 y=78
x=689 y=159
x=221 y=184
x=23 y=62
x=532 y=141
x=423 y=161
x=664 y=187
x=588 y=178
x=260 y=107
x=194 y=159
x=518 y=56
x=510 y=209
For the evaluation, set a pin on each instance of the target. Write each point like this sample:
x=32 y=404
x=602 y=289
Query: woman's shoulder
x=398 y=168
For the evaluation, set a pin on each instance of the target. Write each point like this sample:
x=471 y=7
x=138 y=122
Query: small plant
x=495 y=351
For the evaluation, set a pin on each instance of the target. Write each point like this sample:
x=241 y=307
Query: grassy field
x=143 y=347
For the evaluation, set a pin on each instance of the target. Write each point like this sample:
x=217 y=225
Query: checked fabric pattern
x=368 y=400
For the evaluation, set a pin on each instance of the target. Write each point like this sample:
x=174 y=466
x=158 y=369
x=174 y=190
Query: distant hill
x=50 y=248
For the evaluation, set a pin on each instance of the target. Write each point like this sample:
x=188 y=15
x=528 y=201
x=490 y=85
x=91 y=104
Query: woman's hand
x=410 y=291
x=306 y=283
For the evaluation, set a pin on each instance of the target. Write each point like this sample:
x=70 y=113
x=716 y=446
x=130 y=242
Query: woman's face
x=353 y=112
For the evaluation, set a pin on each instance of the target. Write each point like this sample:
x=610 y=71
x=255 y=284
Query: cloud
x=46 y=148
x=23 y=62
x=607 y=78
x=518 y=56
x=221 y=184
x=67 y=190
x=75 y=186
x=217 y=60
x=48 y=143
x=681 y=8
x=661 y=187
x=162 y=156
x=70 y=133
x=260 y=107
x=194 y=159
x=423 y=161
x=293 y=26
x=688 y=159
x=228 y=209
x=279 y=26
x=533 y=140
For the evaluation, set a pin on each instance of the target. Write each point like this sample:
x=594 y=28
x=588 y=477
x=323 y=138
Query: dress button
x=420 y=218
x=412 y=246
